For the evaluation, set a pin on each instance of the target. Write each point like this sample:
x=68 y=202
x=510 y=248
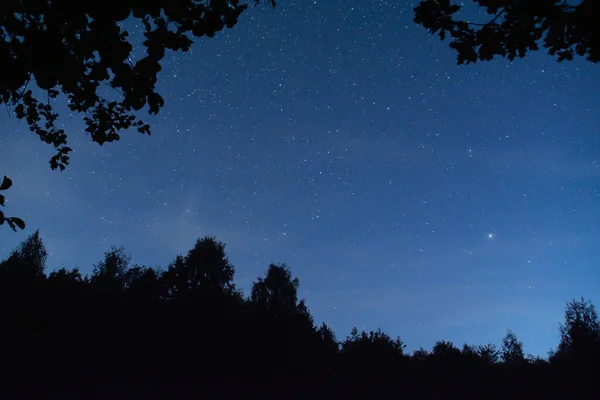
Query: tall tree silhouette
x=204 y=271
x=109 y=274
x=327 y=337
x=210 y=269
x=580 y=332
x=27 y=262
x=176 y=279
x=512 y=349
x=284 y=328
x=22 y=301
x=277 y=292
x=516 y=27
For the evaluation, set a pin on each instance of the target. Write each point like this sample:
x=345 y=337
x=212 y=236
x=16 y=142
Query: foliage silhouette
x=209 y=270
x=515 y=28
x=27 y=262
x=109 y=274
x=13 y=222
x=489 y=353
x=421 y=354
x=512 y=349
x=277 y=292
x=444 y=349
x=328 y=339
x=80 y=50
x=188 y=327
x=373 y=341
x=580 y=333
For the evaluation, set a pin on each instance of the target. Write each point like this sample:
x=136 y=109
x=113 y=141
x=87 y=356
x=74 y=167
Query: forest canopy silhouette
x=515 y=28
x=189 y=323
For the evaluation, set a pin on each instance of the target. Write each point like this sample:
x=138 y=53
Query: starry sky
x=432 y=200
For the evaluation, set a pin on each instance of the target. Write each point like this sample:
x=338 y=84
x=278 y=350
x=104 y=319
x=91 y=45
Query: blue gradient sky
x=338 y=137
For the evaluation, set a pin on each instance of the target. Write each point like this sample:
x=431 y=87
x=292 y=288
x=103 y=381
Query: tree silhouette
x=277 y=292
x=372 y=356
x=489 y=353
x=327 y=337
x=420 y=354
x=470 y=353
x=65 y=286
x=512 y=349
x=515 y=28
x=209 y=267
x=374 y=341
x=135 y=326
x=109 y=275
x=580 y=332
x=27 y=262
x=285 y=336
x=445 y=349
x=204 y=271
x=176 y=279
x=73 y=49
x=83 y=52
x=143 y=284
x=63 y=277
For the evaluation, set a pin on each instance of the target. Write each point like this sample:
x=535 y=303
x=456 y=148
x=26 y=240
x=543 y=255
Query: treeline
x=126 y=331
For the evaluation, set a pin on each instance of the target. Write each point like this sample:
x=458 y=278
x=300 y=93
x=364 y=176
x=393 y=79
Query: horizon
x=340 y=335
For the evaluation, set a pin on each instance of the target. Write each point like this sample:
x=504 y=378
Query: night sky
x=432 y=200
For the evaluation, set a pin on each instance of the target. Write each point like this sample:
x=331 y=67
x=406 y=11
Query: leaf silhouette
x=6 y=183
x=19 y=222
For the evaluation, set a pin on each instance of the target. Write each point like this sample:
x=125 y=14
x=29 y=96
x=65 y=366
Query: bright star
x=490 y=235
